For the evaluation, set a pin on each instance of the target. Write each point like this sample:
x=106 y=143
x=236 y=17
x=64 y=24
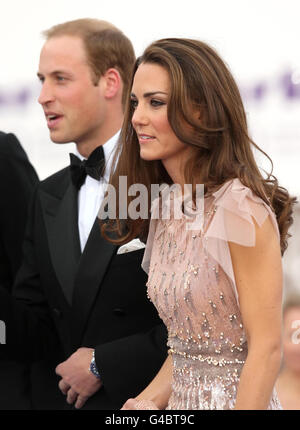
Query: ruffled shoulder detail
x=236 y=206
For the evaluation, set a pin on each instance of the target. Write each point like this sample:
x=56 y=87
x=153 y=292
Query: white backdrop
x=259 y=40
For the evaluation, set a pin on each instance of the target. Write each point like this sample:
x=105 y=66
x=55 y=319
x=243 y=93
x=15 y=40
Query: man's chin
x=59 y=139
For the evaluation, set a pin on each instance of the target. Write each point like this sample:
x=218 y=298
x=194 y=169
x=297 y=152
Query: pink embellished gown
x=191 y=283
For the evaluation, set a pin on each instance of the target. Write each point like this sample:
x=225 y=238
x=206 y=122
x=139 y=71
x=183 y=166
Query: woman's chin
x=148 y=156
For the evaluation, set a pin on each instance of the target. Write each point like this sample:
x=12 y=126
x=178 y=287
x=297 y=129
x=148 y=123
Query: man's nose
x=46 y=93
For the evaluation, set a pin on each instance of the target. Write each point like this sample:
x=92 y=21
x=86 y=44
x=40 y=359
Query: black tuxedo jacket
x=66 y=300
x=17 y=182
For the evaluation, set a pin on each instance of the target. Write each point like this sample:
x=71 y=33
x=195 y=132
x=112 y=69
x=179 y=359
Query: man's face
x=74 y=107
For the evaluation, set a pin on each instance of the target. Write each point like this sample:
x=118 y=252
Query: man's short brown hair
x=105 y=45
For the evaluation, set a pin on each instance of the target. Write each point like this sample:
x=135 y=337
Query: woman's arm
x=258 y=274
x=158 y=391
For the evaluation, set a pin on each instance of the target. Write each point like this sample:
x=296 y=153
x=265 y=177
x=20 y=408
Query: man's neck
x=85 y=148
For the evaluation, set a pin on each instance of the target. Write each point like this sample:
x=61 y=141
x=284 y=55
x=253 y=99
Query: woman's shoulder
x=234 y=189
x=236 y=209
x=238 y=198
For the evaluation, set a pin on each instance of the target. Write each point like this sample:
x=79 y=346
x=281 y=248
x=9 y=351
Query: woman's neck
x=175 y=171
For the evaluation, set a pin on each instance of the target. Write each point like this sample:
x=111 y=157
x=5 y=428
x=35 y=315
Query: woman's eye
x=133 y=103
x=157 y=103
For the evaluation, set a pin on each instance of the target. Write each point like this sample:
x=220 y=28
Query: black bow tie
x=93 y=167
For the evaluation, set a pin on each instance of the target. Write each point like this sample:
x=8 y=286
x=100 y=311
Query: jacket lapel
x=92 y=267
x=60 y=215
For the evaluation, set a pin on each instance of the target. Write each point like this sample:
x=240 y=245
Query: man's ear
x=112 y=83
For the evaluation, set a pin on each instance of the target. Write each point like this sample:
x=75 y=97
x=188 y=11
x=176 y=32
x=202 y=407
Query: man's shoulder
x=57 y=181
x=10 y=146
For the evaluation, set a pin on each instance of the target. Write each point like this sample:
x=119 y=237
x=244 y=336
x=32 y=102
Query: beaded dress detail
x=191 y=283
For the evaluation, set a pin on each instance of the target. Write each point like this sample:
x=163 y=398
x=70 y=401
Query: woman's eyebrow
x=149 y=94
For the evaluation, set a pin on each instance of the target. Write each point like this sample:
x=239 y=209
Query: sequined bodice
x=197 y=301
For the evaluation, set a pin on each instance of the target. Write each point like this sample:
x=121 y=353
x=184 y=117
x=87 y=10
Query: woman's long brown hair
x=221 y=146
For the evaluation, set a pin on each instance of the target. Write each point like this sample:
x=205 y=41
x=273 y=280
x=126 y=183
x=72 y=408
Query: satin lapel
x=92 y=267
x=60 y=215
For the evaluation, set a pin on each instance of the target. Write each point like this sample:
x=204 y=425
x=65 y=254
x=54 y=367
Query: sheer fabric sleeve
x=236 y=208
x=149 y=246
x=156 y=212
x=151 y=234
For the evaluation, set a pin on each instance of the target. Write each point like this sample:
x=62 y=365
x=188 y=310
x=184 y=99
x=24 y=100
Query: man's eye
x=60 y=78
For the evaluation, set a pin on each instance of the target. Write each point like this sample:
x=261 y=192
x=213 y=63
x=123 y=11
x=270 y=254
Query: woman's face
x=291 y=338
x=149 y=98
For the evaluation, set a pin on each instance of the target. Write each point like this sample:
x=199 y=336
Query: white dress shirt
x=92 y=192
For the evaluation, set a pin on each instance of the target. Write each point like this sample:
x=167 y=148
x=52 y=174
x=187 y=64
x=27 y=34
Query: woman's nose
x=139 y=116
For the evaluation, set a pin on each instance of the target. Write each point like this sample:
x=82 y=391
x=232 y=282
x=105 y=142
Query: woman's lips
x=144 y=138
